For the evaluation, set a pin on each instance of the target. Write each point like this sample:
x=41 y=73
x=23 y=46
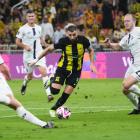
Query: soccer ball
x=63 y=112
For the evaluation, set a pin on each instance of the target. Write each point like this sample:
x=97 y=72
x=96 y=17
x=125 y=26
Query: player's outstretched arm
x=48 y=49
x=114 y=46
x=91 y=57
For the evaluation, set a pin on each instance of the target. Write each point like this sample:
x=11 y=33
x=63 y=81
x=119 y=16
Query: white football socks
x=133 y=98
x=45 y=79
x=26 y=115
x=26 y=80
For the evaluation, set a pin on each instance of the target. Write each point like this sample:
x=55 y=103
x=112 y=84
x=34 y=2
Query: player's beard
x=74 y=40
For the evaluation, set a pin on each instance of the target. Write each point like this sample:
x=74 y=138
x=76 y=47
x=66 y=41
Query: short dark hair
x=71 y=27
x=29 y=11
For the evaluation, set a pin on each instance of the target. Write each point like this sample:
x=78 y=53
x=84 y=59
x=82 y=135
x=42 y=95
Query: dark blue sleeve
x=86 y=43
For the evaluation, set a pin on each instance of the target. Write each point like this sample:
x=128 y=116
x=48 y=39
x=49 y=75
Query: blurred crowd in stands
x=96 y=19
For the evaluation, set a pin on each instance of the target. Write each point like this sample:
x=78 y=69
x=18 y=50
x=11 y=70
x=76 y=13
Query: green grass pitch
x=99 y=112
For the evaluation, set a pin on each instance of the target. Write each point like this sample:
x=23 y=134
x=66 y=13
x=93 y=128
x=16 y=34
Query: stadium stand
x=96 y=19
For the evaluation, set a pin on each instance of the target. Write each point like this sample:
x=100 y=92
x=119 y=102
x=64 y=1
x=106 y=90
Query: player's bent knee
x=29 y=76
x=125 y=86
x=125 y=91
x=54 y=91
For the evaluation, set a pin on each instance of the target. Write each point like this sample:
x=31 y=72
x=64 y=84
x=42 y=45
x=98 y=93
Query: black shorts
x=69 y=77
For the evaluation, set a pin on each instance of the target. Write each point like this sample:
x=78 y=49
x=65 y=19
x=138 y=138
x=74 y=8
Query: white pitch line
x=75 y=112
x=88 y=107
x=10 y=116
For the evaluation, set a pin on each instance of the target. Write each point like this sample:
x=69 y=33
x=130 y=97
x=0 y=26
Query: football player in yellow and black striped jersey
x=69 y=68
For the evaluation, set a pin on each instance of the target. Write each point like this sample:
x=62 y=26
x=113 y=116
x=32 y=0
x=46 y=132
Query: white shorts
x=133 y=71
x=29 y=69
x=4 y=87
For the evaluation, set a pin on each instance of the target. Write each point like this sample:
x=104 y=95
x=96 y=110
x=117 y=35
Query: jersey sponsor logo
x=57 y=79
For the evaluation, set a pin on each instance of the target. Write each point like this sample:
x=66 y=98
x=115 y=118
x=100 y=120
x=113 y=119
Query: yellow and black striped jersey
x=72 y=52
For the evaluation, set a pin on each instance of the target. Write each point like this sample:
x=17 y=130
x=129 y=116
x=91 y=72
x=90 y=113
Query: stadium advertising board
x=109 y=65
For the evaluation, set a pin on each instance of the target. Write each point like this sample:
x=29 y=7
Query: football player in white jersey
x=5 y=69
x=29 y=38
x=131 y=41
x=7 y=98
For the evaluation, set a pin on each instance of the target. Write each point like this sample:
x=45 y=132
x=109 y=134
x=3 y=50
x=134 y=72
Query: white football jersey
x=4 y=87
x=30 y=36
x=131 y=41
x=1 y=60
